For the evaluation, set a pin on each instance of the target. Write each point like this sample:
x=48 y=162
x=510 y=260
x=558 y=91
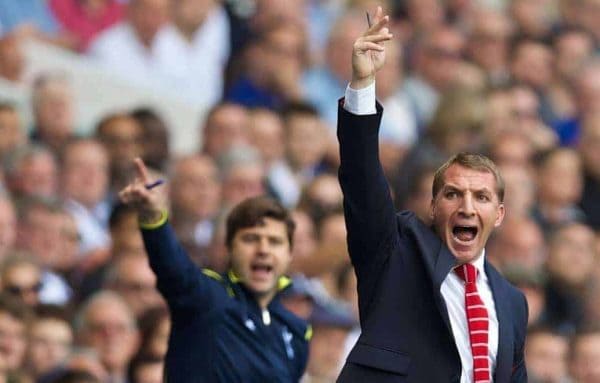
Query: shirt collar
x=479 y=264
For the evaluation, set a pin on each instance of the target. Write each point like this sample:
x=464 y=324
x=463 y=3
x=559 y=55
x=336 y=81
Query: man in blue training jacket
x=232 y=327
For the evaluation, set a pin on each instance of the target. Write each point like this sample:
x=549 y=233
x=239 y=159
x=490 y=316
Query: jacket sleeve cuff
x=164 y=215
x=360 y=101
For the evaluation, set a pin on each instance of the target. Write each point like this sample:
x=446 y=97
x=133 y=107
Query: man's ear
x=432 y=210
x=500 y=215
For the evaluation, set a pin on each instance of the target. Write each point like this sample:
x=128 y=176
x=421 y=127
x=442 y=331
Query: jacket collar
x=504 y=360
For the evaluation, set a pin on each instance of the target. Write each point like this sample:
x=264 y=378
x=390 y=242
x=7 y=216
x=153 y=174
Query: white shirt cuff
x=360 y=101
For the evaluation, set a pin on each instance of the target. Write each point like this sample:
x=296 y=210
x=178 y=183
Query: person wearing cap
x=227 y=327
x=431 y=308
x=332 y=323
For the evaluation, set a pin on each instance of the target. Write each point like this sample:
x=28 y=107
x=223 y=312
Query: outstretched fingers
x=380 y=22
x=381 y=37
x=141 y=171
x=364 y=46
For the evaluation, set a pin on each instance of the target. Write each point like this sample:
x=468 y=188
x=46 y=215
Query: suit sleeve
x=519 y=371
x=179 y=280
x=368 y=207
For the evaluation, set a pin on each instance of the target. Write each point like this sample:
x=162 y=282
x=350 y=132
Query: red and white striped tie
x=478 y=323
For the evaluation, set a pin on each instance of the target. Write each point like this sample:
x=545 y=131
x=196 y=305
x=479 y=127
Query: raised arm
x=177 y=276
x=368 y=207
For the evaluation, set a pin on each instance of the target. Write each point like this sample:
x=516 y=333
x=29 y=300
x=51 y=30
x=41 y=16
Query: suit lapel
x=444 y=262
x=504 y=360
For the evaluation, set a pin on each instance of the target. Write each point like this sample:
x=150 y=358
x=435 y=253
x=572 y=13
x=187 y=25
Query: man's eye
x=451 y=194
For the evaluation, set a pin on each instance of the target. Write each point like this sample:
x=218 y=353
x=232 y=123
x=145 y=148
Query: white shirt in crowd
x=193 y=68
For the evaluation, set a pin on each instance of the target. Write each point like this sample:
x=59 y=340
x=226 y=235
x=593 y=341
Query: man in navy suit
x=432 y=309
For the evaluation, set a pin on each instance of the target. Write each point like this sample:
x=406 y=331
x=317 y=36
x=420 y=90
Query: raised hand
x=368 y=53
x=149 y=202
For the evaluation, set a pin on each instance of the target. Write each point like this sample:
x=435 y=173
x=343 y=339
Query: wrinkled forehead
x=469 y=178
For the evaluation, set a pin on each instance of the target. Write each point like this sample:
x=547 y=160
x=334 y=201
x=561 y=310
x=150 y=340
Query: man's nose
x=263 y=245
x=466 y=207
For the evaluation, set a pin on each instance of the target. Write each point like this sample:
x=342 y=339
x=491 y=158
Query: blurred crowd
x=518 y=80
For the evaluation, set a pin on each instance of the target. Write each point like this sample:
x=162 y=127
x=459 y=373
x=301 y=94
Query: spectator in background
x=85 y=19
x=195 y=196
x=12 y=61
x=198 y=48
x=547 y=356
x=274 y=63
x=155 y=144
x=155 y=326
x=331 y=325
x=571 y=261
x=306 y=142
x=585 y=356
x=418 y=197
x=14 y=324
x=85 y=178
x=520 y=190
x=11 y=130
x=305 y=237
x=242 y=175
x=40 y=232
x=327 y=82
x=8 y=225
x=124 y=232
x=32 y=171
x=226 y=126
x=511 y=147
x=50 y=341
x=458 y=125
x=21 y=278
x=131 y=277
x=532 y=285
x=146 y=369
x=573 y=47
x=518 y=244
x=559 y=188
x=437 y=57
x=267 y=134
x=399 y=124
x=53 y=111
x=589 y=148
x=527 y=118
x=134 y=47
x=121 y=135
x=321 y=197
x=81 y=363
x=532 y=64
x=532 y=17
x=586 y=88
x=488 y=43
x=332 y=232
x=106 y=324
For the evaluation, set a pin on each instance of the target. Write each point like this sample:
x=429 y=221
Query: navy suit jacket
x=400 y=263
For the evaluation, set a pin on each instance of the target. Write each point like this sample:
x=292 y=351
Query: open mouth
x=261 y=270
x=464 y=234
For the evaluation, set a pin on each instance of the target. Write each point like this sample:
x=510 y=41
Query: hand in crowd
x=148 y=202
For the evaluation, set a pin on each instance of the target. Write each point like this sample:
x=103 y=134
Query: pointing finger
x=141 y=170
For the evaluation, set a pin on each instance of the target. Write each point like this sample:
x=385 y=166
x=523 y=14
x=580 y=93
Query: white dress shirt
x=194 y=68
x=362 y=102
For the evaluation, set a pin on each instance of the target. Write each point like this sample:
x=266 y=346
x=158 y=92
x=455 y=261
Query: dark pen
x=154 y=184
x=368 y=19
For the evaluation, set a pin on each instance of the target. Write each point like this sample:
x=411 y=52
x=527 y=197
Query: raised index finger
x=141 y=171
x=379 y=21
